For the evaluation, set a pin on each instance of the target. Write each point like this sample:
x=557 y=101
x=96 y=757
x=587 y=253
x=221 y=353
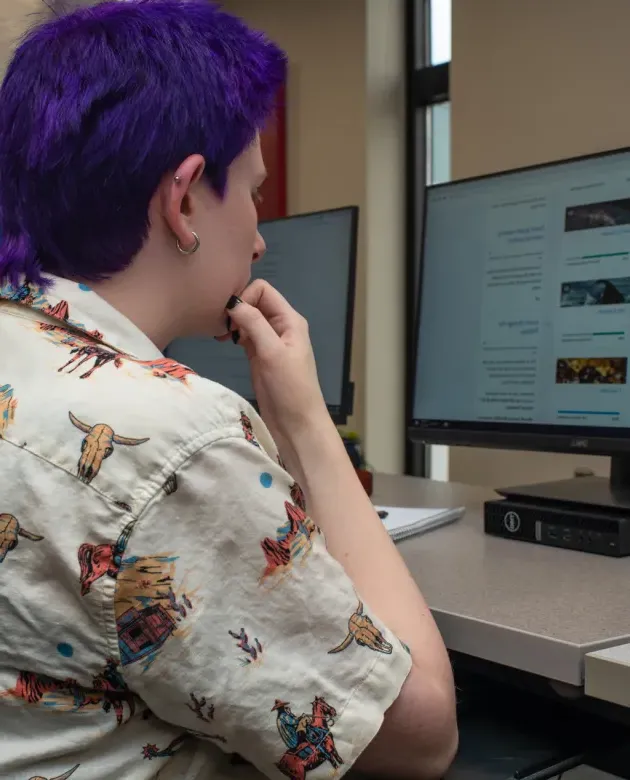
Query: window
x=440 y=31
x=438 y=143
x=438 y=128
x=429 y=162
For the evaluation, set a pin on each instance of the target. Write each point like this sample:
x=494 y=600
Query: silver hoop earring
x=192 y=249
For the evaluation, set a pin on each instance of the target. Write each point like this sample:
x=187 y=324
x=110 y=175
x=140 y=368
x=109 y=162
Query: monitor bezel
x=517 y=436
x=341 y=413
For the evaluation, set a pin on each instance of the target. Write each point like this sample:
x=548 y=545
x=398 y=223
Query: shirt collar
x=79 y=308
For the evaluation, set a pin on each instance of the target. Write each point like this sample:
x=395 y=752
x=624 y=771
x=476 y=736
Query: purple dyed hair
x=96 y=106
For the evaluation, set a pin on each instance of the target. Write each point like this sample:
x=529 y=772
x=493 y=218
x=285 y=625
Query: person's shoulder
x=123 y=432
x=156 y=422
x=179 y=409
x=154 y=425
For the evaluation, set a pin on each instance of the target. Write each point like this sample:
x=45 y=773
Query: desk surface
x=527 y=606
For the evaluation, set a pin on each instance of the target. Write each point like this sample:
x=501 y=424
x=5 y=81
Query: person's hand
x=276 y=341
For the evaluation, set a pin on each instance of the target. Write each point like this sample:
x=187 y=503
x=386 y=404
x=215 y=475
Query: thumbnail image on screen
x=596 y=292
x=589 y=216
x=592 y=371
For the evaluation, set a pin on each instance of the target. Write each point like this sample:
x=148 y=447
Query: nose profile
x=259 y=248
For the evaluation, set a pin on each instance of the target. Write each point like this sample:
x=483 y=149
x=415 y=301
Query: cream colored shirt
x=166 y=601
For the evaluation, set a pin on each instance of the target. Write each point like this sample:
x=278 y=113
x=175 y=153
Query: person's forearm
x=356 y=537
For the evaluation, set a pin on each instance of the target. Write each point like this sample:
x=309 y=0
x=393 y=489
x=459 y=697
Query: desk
x=525 y=606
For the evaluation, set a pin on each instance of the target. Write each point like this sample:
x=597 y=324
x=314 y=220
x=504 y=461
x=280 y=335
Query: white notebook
x=403 y=521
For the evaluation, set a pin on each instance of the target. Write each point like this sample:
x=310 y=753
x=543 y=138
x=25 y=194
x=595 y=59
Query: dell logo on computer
x=511 y=522
x=579 y=444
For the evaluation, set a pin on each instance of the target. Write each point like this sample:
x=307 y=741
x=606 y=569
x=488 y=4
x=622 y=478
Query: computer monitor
x=523 y=329
x=311 y=260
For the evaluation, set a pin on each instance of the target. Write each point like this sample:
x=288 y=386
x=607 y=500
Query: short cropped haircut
x=98 y=105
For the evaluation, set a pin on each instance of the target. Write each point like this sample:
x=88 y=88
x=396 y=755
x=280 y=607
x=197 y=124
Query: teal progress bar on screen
x=577 y=411
x=596 y=333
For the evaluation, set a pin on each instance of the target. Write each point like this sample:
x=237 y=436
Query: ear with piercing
x=190 y=251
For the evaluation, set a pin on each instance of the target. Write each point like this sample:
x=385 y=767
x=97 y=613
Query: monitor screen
x=524 y=305
x=311 y=260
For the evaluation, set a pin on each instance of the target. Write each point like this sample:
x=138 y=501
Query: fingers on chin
x=255 y=291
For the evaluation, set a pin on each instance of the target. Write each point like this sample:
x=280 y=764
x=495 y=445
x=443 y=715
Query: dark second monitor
x=311 y=260
x=523 y=333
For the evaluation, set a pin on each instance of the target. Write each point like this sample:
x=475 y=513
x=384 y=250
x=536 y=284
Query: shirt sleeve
x=234 y=622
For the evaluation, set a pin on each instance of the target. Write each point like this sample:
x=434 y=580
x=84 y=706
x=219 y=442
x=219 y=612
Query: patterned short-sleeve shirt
x=167 y=602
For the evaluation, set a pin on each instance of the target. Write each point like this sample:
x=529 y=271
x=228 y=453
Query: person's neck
x=144 y=301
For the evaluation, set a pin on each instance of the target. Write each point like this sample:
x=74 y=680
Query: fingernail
x=234 y=300
x=235 y=336
x=228 y=322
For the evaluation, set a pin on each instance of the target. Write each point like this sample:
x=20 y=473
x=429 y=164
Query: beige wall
x=533 y=81
x=15 y=17
x=325 y=42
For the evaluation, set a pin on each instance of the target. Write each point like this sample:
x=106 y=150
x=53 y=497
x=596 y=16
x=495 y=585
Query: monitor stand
x=608 y=494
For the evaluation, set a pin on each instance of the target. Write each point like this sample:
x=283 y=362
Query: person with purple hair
x=159 y=505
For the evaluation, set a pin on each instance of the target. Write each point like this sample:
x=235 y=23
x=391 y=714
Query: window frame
x=426 y=85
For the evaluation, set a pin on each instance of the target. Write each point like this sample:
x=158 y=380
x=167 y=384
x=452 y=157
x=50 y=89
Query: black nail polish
x=235 y=336
x=234 y=300
x=228 y=322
